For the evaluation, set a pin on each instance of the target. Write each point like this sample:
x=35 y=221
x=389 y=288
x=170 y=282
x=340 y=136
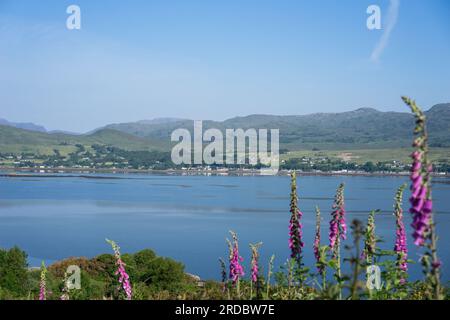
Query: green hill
x=17 y=140
x=360 y=129
x=364 y=128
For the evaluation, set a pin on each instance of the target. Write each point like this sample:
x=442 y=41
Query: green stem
x=338 y=265
x=238 y=288
x=324 y=281
x=435 y=270
x=355 y=274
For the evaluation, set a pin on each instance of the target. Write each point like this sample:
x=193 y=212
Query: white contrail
x=391 y=20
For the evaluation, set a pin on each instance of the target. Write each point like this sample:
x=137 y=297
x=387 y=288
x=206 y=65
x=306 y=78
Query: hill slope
x=360 y=129
x=363 y=128
x=18 y=140
x=27 y=125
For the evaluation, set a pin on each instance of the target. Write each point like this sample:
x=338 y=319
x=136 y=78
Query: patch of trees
x=148 y=272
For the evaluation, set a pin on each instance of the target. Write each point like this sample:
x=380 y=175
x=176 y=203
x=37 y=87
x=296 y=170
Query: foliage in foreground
x=158 y=278
x=375 y=273
x=152 y=277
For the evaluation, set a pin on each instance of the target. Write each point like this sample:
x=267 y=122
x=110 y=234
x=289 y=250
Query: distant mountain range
x=363 y=128
x=26 y=125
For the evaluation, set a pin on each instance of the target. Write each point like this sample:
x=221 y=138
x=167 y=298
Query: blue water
x=188 y=217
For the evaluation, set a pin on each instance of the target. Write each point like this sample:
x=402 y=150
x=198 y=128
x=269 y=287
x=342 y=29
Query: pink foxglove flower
x=124 y=278
x=42 y=284
x=400 y=247
x=295 y=226
x=236 y=268
x=421 y=204
x=316 y=246
x=255 y=261
x=421 y=201
x=338 y=227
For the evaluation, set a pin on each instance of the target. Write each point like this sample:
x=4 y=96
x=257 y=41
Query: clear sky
x=135 y=60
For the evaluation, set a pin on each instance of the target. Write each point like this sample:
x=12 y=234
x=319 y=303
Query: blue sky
x=136 y=60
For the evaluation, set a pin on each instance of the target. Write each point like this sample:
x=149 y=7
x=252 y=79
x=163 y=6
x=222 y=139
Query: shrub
x=13 y=272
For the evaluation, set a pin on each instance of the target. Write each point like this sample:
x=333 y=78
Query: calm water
x=188 y=218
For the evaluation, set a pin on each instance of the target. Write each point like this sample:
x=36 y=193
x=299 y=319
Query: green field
x=13 y=140
x=373 y=155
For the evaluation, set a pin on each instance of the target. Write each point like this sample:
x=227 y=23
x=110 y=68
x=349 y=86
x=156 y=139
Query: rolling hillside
x=23 y=125
x=360 y=129
x=17 y=140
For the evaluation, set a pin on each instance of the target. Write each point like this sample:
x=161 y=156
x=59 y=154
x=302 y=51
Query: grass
x=36 y=149
x=13 y=140
x=364 y=155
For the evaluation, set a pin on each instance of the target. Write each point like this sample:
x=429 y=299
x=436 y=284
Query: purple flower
x=400 y=246
x=338 y=227
x=123 y=279
x=316 y=246
x=295 y=227
x=436 y=264
x=333 y=235
x=255 y=273
x=236 y=269
x=42 y=284
x=421 y=203
x=401 y=249
x=255 y=260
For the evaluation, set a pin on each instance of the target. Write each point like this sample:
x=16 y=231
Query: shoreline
x=12 y=172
